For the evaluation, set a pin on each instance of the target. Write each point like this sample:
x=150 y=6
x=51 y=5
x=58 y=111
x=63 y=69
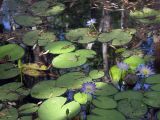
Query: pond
x=79 y=60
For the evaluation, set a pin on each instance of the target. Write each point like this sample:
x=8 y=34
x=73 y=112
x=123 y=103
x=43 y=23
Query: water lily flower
x=88 y=87
x=122 y=66
x=91 y=22
x=144 y=71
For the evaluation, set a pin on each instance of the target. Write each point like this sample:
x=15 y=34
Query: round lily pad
x=81 y=98
x=11 y=52
x=44 y=8
x=72 y=80
x=86 y=53
x=8 y=70
x=152 y=94
x=152 y=102
x=60 y=47
x=156 y=87
x=28 y=108
x=105 y=89
x=68 y=60
x=38 y=37
x=27 y=21
x=61 y=110
x=130 y=94
x=9 y=114
x=104 y=102
x=34 y=66
x=154 y=79
x=96 y=74
x=80 y=35
x=12 y=91
x=103 y=114
x=46 y=89
x=132 y=108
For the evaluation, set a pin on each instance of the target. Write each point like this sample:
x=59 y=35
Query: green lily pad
x=72 y=80
x=61 y=110
x=12 y=91
x=152 y=102
x=104 y=102
x=8 y=70
x=86 y=53
x=132 y=108
x=26 y=118
x=81 y=98
x=128 y=53
x=60 y=47
x=68 y=60
x=105 y=89
x=117 y=36
x=38 y=37
x=103 y=114
x=156 y=87
x=28 y=108
x=27 y=21
x=34 y=66
x=154 y=79
x=44 y=8
x=11 y=52
x=96 y=74
x=80 y=35
x=9 y=114
x=134 y=61
x=46 y=89
x=158 y=115
x=130 y=94
x=33 y=72
x=152 y=94
x=146 y=12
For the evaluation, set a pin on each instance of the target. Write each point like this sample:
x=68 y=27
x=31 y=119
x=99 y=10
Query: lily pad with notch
x=57 y=106
x=60 y=47
x=38 y=37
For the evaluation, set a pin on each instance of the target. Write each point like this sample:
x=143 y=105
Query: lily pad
x=35 y=66
x=156 y=87
x=158 y=115
x=9 y=114
x=61 y=110
x=86 y=53
x=60 y=47
x=132 y=108
x=81 y=98
x=27 y=21
x=104 y=102
x=8 y=70
x=38 y=37
x=72 y=80
x=26 y=118
x=103 y=114
x=46 y=89
x=11 y=52
x=28 y=108
x=154 y=79
x=129 y=94
x=104 y=89
x=152 y=102
x=33 y=72
x=80 y=35
x=152 y=94
x=68 y=60
x=96 y=74
x=134 y=61
x=12 y=91
x=44 y=8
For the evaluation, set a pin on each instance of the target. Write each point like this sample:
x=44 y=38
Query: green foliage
x=153 y=79
x=81 y=98
x=9 y=114
x=86 y=53
x=96 y=74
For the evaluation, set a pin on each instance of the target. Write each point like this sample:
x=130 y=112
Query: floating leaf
x=152 y=94
x=115 y=74
x=28 y=108
x=46 y=89
x=9 y=114
x=11 y=52
x=38 y=37
x=156 y=87
x=72 y=80
x=130 y=94
x=27 y=21
x=152 y=102
x=68 y=60
x=154 y=79
x=60 y=47
x=134 y=61
x=96 y=74
x=132 y=108
x=104 y=89
x=104 y=102
x=86 y=53
x=158 y=115
x=59 y=108
x=26 y=118
x=35 y=66
x=8 y=70
x=33 y=72
x=81 y=98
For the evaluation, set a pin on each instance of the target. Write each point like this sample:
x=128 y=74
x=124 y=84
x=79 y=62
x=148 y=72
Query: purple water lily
x=122 y=66
x=88 y=87
x=91 y=22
